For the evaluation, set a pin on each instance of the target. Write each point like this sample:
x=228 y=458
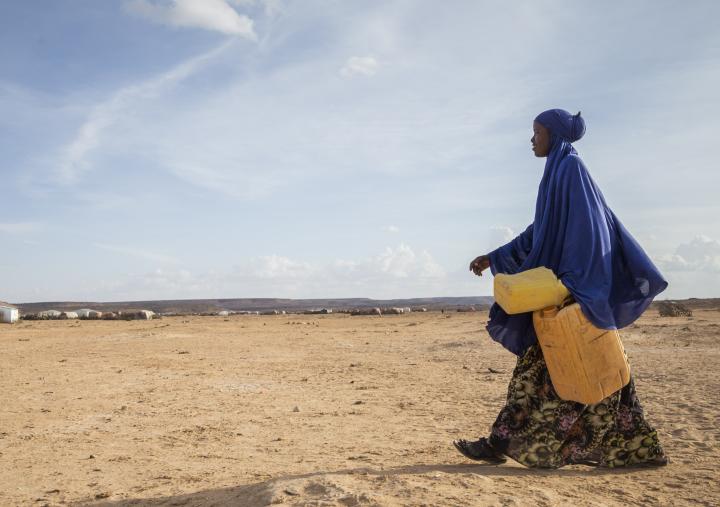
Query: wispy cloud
x=74 y=157
x=215 y=15
x=360 y=66
x=272 y=7
x=391 y=229
x=138 y=253
x=261 y=132
x=20 y=227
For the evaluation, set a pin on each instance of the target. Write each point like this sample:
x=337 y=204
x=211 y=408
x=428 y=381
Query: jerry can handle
x=549 y=311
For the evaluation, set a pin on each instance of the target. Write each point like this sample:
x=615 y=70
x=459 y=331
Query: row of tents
x=10 y=313
x=318 y=311
x=90 y=314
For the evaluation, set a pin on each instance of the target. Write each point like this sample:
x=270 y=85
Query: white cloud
x=403 y=262
x=137 y=252
x=501 y=234
x=693 y=270
x=391 y=228
x=19 y=227
x=215 y=15
x=359 y=66
x=396 y=263
x=395 y=272
x=700 y=254
x=393 y=263
x=273 y=267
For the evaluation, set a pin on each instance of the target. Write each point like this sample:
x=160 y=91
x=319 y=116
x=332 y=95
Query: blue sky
x=272 y=148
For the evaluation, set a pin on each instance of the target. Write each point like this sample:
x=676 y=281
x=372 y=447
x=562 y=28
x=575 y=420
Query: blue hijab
x=576 y=235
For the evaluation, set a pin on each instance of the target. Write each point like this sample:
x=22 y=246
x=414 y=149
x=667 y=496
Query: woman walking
x=575 y=234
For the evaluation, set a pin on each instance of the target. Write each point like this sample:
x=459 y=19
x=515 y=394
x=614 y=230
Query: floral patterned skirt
x=538 y=429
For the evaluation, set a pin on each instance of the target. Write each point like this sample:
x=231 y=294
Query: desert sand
x=320 y=410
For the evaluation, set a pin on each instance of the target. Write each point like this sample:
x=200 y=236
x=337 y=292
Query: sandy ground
x=319 y=410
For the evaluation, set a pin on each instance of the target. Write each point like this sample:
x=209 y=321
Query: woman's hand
x=479 y=264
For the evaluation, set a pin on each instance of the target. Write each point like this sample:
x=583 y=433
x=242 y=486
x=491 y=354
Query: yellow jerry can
x=528 y=291
x=586 y=363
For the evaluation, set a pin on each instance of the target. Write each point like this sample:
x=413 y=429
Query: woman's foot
x=479 y=450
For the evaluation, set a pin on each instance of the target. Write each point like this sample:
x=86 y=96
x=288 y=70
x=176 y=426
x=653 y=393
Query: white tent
x=137 y=314
x=49 y=314
x=87 y=313
x=8 y=313
x=146 y=314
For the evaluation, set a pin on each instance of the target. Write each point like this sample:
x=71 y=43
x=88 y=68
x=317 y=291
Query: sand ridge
x=319 y=410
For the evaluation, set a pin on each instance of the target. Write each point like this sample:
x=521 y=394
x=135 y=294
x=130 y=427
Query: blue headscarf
x=576 y=235
x=561 y=123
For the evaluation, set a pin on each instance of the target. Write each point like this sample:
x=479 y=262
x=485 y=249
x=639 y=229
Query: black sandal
x=480 y=450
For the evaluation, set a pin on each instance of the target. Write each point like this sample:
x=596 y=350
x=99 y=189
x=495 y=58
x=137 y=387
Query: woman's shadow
x=264 y=493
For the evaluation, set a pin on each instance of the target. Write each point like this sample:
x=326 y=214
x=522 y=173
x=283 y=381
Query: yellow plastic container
x=586 y=363
x=528 y=291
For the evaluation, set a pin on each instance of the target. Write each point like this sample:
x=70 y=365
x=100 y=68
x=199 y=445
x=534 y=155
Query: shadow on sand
x=263 y=493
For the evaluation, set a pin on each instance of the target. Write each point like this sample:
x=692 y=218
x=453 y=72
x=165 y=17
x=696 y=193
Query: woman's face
x=540 y=140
